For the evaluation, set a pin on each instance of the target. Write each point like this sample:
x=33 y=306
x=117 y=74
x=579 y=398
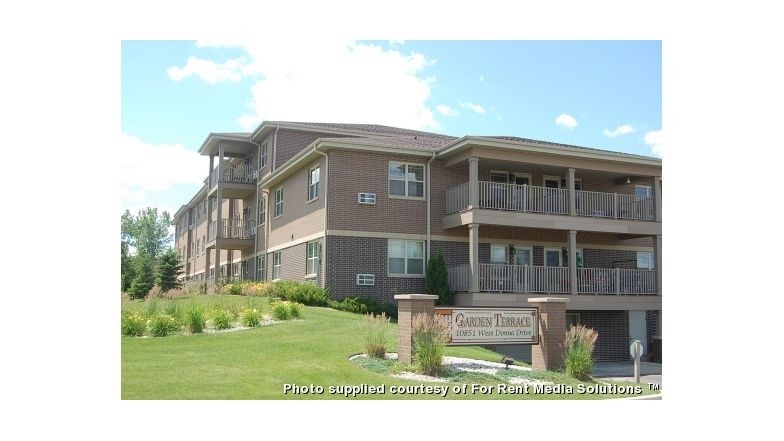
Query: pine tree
x=144 y=278
x=436 y=279
x=169 y=268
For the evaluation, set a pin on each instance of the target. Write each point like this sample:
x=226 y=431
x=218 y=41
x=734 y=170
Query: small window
x=498 y=253
x=552 y=257
x=261 y=268
x=366 y=198
x=262 y=210
x=406 y=257
x=366 y=279
x=643 y=192
x=499 y=177
x=407 y=180
x=312 y=261
x=278 y=202
x=572 y=319
x=276 y=265
x=313 y=183
x=644 y=260
x=263 y=155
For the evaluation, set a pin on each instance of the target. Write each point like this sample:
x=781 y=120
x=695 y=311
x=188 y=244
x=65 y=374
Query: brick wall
x=593 y=258
x=348 y=256
x=613 y=329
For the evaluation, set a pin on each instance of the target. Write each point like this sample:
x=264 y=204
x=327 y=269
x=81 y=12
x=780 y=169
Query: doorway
x=638 y=328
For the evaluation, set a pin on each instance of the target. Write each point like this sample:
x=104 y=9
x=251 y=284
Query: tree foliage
x=169 y=268
x=436 y=279
x=143 y=279
x=126 y=267
x=148 y=231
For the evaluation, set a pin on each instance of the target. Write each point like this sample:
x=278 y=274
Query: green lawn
x=256 y=363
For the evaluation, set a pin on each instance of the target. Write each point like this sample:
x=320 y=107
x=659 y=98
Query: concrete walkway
x=624 y=371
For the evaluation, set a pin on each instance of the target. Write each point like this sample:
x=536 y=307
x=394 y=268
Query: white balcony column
x=473 y=182
x=209 y=175
x=657 y=196
x=657 y=259
x=572 y=193
x=219 y=214
x=473 y=257
x=572 y=250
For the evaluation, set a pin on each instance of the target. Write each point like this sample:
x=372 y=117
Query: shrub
x=364 y=305
x=436 y=279
x=377 y=331
x=162 y=325
x=578 y=351
x=125 y=297
x=305 y=293
x=256 y=288
x=430 y=334
x=221 y=319
x=194 y=318
x=279 y=311
x=294 y=309
x=250 y=317
x=232 y=289
x=133 y=324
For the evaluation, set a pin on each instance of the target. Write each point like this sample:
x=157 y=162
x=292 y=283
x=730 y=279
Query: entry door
x=637 y=329
x=524 y=259
x=551 y=184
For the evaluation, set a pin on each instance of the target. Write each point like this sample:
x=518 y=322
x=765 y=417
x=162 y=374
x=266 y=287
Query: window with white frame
x=366 y=279
x=262 y=210
x=366 y=198
x=645 y=260
x=313 y=183
x=312 y=261
x=643 y=192
x=406 y=257
x=261 y=268
x=552 y=257
x=263 y=156
x=235 y=269
x=407 y=180
x=278 y=202
x=276 y=265
x=498 y=253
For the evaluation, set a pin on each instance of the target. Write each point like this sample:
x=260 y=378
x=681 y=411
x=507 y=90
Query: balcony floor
x=583 y=302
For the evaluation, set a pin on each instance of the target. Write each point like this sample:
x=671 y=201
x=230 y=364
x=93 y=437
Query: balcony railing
x=240 y=173
x=232 y=229
x=534 y=199
x=547 y=279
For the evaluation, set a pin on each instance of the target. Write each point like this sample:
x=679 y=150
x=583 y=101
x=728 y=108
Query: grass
x=256 y=363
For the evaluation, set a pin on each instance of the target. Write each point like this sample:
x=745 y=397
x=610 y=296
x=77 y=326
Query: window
x=235 y=269
x=642 y=192
x=366 y=198
x=263 y=156
x=551 y=181
x=262 y=210
x=498 y=253
x=407 y=180
x=366 y=279
x=261 y=268
x=313 y=183
x=203 y=243
x=198 y=246
x=499 y=177
x=312 y=261
x=644 y=260
x=278 y=203
x=572 y=319
x=406 y=257
x=552 y=257
x=276 y=265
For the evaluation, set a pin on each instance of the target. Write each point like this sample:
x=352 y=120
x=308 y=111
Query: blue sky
x=604 y=94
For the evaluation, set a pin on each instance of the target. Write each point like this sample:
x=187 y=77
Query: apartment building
x=359 y=209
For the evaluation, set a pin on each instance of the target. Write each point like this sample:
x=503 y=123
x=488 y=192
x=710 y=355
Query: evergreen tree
x=126 y=267
x=169 y=268
x=436 y=279
x=144 y=278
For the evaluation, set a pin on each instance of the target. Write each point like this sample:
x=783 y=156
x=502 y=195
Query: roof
x=555 y=144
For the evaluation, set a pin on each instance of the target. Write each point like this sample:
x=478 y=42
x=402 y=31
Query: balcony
x=234 y=233
x=552 y=201
x=238 y=180
x=501 y=278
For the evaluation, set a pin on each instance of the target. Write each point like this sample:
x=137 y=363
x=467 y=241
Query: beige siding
x=300 y=218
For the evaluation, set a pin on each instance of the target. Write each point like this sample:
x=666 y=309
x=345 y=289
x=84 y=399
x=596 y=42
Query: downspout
x=256 y=214
x=326 y=205
x=428 y=203
x=268 y=219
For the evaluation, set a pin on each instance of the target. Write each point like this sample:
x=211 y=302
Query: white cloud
x=566 y=120
x=149 y=168
x=210 y=71
x=472 y=107
x=655 y=140
x=482 y=79
x=333 y=81
x=445 y=110
x=620 y=130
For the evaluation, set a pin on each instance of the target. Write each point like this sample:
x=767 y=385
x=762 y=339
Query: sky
x=604 y=94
